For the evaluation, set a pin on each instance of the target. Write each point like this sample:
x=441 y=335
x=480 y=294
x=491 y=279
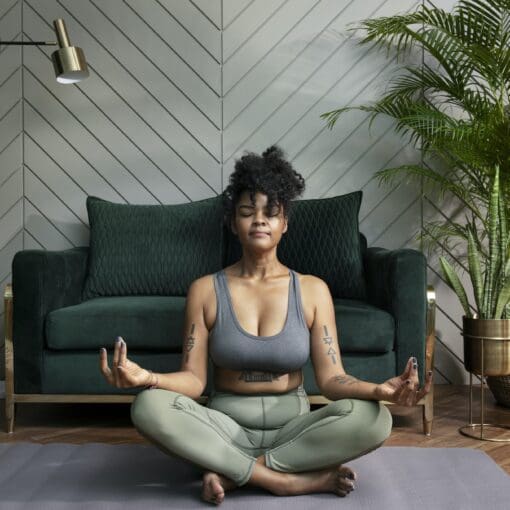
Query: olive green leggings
x=228 y=434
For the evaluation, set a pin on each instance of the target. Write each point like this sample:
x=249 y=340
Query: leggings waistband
x=261 y=410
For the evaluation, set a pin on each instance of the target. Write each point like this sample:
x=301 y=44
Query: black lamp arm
x=28 y=43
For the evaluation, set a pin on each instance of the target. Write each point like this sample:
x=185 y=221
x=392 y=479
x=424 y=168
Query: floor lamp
x=69 y=61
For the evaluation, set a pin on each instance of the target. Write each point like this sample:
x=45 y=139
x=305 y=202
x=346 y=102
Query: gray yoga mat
x=98 y=476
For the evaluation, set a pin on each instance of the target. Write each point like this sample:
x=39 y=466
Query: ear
x=286 y=227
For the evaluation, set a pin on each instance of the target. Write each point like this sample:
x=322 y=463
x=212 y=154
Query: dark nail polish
x=415 y=366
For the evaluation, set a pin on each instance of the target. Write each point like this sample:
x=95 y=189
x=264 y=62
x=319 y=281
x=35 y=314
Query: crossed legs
x=306 y=455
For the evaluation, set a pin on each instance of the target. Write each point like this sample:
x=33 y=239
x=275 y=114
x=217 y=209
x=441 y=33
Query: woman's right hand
x=124 y=373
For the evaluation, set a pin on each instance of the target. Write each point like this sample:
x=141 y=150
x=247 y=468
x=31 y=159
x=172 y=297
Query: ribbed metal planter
x=490 y=337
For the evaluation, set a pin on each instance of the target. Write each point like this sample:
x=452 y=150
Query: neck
x=258 y=267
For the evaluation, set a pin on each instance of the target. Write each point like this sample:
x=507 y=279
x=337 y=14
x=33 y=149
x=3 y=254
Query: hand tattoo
x=328 y=340
x=189 y=342
x=248 y=376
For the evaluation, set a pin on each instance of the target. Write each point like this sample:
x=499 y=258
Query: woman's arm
x=330 y=375
x=192 y=377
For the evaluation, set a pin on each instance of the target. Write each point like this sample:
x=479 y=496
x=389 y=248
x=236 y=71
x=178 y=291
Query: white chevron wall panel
x=11 y=160
x=179 y=89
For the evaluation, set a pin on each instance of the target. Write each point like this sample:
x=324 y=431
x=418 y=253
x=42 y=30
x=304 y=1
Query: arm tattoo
x=249 y=376
x=328 y=340
x=346 y=379
x=189 y=342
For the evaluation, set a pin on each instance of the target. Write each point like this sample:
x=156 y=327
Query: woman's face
x=251 y=219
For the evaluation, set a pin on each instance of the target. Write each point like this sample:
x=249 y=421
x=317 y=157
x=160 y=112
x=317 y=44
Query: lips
x=258 y=232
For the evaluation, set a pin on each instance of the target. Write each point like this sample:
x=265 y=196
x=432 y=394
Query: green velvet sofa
x=133 y=278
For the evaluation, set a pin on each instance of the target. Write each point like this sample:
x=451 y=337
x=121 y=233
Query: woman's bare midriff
x=250 y=382
x=264 y=317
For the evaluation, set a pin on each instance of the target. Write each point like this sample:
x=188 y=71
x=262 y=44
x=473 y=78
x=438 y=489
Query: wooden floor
x=110 y=423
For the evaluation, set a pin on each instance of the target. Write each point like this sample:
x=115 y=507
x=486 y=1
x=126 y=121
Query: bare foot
x=339 y=480
x=214 y=487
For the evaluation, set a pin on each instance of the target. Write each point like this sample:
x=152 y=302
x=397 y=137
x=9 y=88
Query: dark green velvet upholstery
x=57 y=334
x=135 y=249
x=153 y=323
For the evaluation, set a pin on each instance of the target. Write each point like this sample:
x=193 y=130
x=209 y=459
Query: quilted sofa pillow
x=151 y=249
x=323 y=239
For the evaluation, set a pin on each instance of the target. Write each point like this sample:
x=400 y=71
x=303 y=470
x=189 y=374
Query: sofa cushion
x=155 y=323
x=145 y=322
x=363 y=328
x=151 y=249
x=323 y=239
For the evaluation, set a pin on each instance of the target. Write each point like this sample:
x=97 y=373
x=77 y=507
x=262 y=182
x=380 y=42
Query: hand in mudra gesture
x=124 y=373
x=404 y=389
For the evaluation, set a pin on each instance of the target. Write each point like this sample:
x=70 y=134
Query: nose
x=259 y=218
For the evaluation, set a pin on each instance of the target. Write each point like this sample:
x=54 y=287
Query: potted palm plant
x=453 y=106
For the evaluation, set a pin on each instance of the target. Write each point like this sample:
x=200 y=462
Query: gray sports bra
x=231 y=347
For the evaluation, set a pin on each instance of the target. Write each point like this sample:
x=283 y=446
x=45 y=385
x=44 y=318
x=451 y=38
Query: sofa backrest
x=161 y=249
x=152 y=249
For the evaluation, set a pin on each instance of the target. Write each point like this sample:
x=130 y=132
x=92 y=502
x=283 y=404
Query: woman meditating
x=259 y=321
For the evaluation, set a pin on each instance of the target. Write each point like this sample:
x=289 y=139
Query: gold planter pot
x=486 y=353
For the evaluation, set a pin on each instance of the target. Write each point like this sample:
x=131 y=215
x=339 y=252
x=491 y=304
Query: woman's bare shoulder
x=310 y=283
x=202 y=285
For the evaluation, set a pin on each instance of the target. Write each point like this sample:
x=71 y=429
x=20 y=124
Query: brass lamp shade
x=70 y=65
x=69 y=61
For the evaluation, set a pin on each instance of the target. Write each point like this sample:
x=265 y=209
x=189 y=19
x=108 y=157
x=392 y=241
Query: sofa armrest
x=42 y=281
x=396 y=282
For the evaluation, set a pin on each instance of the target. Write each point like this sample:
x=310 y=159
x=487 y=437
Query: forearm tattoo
x=346 y=379
x=248 y=376
x=328 y=341
x=190 y=342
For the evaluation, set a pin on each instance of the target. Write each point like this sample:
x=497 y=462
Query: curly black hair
x=269 y=174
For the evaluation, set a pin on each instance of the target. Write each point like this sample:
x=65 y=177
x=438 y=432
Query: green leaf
x=494 y=252
x=475 y=271
x=454 y=282
x=504 y=297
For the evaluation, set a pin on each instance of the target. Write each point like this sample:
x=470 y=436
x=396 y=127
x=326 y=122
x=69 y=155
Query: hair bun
x=273 y=152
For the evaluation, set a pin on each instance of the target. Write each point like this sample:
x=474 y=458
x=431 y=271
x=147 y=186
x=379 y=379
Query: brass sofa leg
x=428 y=408
x=428 y=413
x=9 y=362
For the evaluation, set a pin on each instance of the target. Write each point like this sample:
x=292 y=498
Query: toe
x=347 y=472
x=340 y=493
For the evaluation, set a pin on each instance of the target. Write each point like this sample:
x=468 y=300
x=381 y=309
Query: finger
x=428 y=386
x=407 y=371
x=103 y=364
x=123 y=353
x=115 y=363
x=116 y=353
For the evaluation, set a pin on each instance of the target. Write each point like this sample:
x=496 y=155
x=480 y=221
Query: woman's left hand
x=404 y=389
